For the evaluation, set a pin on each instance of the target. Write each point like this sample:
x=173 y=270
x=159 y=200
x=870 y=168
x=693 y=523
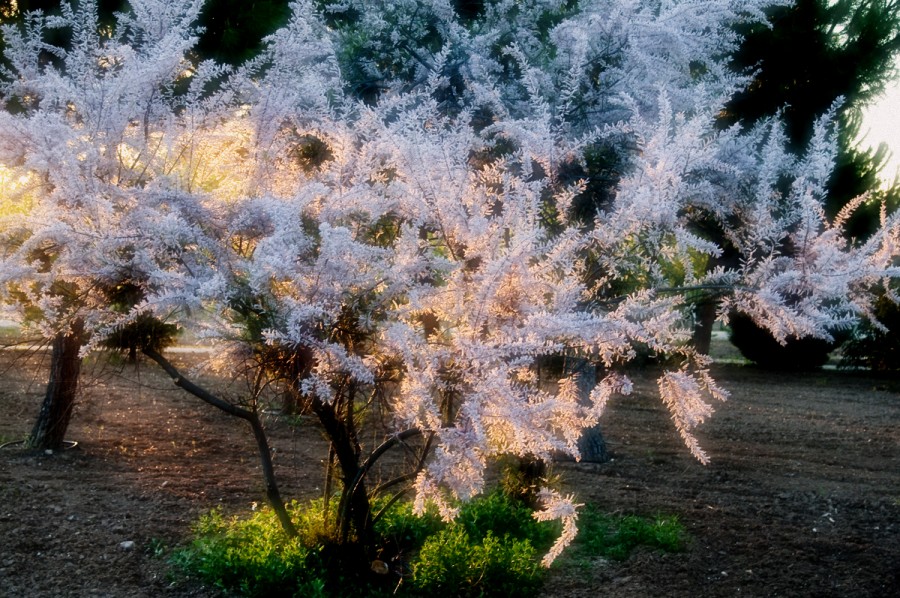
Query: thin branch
x=259 y=433
x=390 y=504
x=199 y=392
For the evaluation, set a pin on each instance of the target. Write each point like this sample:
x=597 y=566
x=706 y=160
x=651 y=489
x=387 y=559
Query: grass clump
x=455 y=563
x=615 y=537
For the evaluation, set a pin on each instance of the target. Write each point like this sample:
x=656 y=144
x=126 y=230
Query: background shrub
x=872 y=348
x=757 y=345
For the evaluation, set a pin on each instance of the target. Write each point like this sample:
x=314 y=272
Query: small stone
x=126 y=545
x=48 y=452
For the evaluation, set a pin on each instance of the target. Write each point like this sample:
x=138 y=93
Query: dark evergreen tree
x=233 y=29
x=814 y=53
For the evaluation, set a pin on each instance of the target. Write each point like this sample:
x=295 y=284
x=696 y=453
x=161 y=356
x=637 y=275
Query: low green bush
x=455 y=563
x=496 y=513
x=251 y=556
x=399 y=529
x=493 y=548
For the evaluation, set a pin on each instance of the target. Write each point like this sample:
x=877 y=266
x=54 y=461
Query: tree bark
x=354 y=507
x=703 y=326
x=591 y=445
x=50 y=428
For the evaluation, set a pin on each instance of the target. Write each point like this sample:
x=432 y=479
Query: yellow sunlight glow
x=881 y=124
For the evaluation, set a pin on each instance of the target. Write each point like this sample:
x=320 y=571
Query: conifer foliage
x=379 y=209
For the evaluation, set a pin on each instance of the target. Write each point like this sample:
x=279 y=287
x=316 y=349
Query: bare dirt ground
x=802 y=497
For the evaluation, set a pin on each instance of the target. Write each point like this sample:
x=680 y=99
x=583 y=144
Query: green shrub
x=493 y=548
x=251 y=556
x=498 y=514
x=797 y=354
x=400 y=529
x=452 y=561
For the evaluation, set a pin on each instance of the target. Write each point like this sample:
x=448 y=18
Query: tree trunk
x=354 y=509
x=272 y=493
x=703 y=327
x=65 y=365
x=591 y=445
x=259 y=433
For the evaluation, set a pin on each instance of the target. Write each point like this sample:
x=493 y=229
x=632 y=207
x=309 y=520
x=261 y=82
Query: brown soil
x=802 y=497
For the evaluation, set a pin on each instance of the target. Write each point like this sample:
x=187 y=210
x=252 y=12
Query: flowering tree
x=91 y=129
x=402 y=231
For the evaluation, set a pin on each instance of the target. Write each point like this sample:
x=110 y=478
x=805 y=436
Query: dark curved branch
x=412 y=474
x=259 y=433
x=390 y=504
x=198 y=391
x=406 y=477
x=352 y=489
x=379 y=451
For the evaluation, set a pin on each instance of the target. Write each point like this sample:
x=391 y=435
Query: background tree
x=233 y=30
x=71 y=261
x=230 y=31
x=809 y=55
x=814 y=53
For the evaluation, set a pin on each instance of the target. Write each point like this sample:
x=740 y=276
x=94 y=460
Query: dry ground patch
x=802 y=497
